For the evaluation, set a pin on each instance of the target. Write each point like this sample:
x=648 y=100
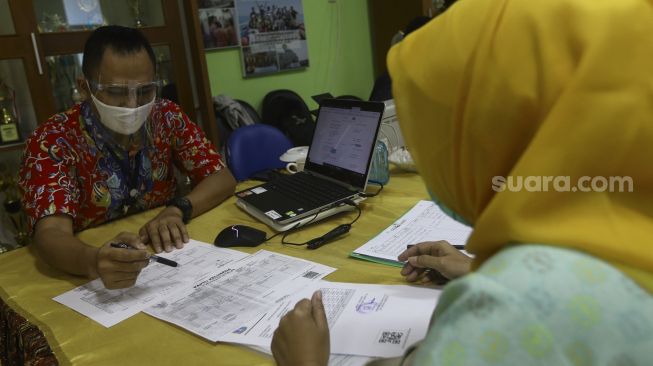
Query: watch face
x=185 y=202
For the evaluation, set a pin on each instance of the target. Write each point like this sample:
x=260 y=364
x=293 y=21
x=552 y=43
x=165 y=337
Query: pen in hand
x=457 y=246
x=153 y=257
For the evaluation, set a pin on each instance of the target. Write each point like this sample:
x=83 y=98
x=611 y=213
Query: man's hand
x=302 y=338
x=438 y=259
x=117 y=267
x=165 y=231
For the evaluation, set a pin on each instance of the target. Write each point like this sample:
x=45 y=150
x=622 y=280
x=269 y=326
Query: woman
x=563 y=269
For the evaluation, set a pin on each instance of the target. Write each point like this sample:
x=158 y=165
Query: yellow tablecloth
x=28 y=285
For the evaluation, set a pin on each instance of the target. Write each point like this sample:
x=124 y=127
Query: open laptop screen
x=344 y=139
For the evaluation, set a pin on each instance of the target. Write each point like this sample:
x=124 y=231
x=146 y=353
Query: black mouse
x=239 y=236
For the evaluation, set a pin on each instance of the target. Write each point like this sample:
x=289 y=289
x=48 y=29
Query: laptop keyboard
x=311 y=190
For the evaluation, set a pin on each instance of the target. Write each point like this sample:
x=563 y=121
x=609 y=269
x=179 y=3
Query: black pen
x=457 y=246
x=153 y=257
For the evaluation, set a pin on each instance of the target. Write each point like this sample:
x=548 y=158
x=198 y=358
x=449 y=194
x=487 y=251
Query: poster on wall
x=272 y=36
x=218 y=23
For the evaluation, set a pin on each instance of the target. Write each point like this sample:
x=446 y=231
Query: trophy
x=13 y=209
x=136 y=8
x=52 y=23
x=75 y=95
x=8 y=116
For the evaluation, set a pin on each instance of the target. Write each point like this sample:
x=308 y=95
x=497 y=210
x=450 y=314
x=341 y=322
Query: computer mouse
x=239 y=236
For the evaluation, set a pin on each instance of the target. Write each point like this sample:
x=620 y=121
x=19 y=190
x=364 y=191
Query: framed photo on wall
x=272 y=36
x=218 y=23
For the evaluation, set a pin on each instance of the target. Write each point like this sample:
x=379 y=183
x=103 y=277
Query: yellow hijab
x=527 y=88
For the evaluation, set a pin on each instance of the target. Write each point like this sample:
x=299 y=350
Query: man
x=113 y=155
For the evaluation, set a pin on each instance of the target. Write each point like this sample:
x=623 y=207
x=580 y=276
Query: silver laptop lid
x=344 y=140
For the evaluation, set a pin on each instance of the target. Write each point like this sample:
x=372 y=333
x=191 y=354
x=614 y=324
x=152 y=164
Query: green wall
x=339 y=51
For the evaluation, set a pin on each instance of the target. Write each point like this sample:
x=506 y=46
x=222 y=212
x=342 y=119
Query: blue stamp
x=240 y=330
x=367 y=307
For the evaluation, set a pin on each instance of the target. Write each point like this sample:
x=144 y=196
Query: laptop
x=336 y=170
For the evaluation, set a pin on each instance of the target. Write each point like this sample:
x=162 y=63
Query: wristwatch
x=184 y=205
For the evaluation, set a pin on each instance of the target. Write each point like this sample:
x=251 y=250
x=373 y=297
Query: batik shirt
x=73 y=166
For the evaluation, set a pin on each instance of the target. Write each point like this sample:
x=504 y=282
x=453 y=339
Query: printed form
x=334 y=359
x=424 y=222
x=155 y=282
x=222 y=302
x=384 y=319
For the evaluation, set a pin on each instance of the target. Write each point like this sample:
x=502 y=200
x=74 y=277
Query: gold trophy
x=8 y=121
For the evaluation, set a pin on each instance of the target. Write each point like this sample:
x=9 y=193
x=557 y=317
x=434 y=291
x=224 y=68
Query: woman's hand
x=438 y=260
x=302 y=338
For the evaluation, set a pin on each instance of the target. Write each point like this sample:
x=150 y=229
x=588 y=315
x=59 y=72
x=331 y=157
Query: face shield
x=124 y=108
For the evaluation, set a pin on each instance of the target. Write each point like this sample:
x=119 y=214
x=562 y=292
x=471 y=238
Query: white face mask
x=123 y=120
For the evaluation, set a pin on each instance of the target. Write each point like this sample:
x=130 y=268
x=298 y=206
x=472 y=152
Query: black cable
x=330 y=235
x=284 y=242
x=375 y=193
x=352 y=203
x=277 y=234
x=335 y=233
x=299 y=225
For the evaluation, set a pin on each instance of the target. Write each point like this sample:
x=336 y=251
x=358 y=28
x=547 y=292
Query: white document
x=155 y=282
x=334 y=360
x=348 y=360
x=383 y=320
x=221 y=302
x=386 y=320
x=424 y=222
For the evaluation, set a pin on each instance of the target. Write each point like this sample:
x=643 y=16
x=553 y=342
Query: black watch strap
x=183 y=204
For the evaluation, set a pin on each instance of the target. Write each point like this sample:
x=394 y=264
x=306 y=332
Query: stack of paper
x=424 y=222
x=229 y=296
x=386 y=320
x=222 y=302
x=156 y=282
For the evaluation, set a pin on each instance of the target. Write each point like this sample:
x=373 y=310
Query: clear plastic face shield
x=124 y=107
x=128 y=95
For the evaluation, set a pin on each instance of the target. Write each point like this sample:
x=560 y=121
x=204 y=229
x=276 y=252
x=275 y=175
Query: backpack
x=320 y=97
x=287 y=111
x=231 y=114
x=234 y=112
x=253 y=114
x=349 y=97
